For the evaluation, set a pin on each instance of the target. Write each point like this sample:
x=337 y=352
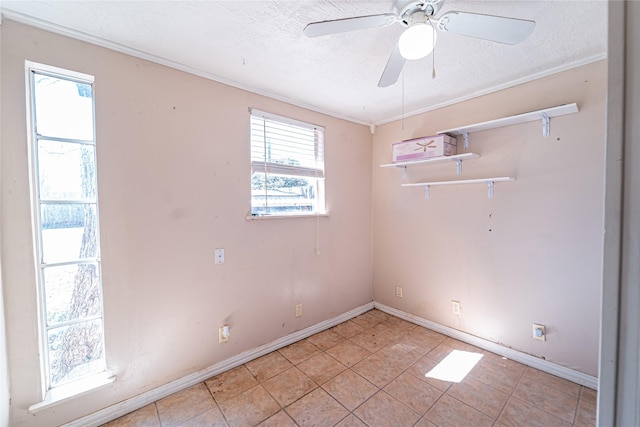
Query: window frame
x=295 y=171
x=53 y=394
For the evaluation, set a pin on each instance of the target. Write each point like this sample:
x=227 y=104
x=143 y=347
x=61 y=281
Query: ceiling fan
x=419 y=39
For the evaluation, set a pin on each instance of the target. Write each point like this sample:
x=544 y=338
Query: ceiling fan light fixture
x=417 y=41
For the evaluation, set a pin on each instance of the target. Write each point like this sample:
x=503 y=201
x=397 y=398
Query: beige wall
x=174 y=181
x=173 y=165
x=531 y=254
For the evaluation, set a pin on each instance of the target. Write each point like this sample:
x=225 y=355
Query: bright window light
x=68 y=231
x=455 y=367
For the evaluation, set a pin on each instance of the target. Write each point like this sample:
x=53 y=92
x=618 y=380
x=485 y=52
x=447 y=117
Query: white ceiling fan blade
x=324 y=28
x=392 y=69
x=487 y=27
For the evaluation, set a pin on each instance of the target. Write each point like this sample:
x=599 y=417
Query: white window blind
x=287 y=162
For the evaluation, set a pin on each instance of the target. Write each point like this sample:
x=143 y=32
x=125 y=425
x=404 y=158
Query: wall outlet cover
x=539 y=332
x=398 y=292
x=219 y=256
x=223 y=334
x=455 y=307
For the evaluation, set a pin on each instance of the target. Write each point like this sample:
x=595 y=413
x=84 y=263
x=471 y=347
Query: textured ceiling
x=259 y=45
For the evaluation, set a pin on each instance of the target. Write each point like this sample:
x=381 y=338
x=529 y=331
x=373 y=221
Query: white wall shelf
x=543 y=115
x=489 y=181
x=458 y=158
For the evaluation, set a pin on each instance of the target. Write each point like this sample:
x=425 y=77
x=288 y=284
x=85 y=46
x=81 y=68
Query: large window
x=287 y=166
x=65 y=209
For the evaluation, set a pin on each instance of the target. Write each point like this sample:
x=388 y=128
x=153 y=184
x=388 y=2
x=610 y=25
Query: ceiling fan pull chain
x=403 y=100
x=433 y=65
x=433 y=50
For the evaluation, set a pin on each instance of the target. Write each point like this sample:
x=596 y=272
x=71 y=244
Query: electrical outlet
x=223 y=334
x=398 y=292
x=539 y=332
x=455 y=307
x=298 y=310
x=219 y=256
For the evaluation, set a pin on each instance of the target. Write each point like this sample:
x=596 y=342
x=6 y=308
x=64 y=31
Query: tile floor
x=370 y=371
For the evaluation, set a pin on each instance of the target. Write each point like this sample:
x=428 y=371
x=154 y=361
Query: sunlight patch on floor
x=455 y=366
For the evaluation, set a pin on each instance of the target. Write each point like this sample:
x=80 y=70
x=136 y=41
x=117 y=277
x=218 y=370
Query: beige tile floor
x=370 y=371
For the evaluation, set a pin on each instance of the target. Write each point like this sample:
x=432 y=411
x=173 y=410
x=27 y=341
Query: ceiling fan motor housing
x=407 y=10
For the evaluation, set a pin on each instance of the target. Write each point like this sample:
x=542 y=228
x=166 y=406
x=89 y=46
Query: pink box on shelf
x=424 y=148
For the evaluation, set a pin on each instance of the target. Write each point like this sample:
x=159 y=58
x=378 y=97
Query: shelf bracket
x=426 y=192
x=459 y=167
x=490 y=186
x=404 y=172
x=545 y=124
x=465 y=138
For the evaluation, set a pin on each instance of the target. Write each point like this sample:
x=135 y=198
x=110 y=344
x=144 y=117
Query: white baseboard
x=526 y=359
x=119 y=409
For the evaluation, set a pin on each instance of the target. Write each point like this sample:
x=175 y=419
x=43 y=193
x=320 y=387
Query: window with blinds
x=287 y=166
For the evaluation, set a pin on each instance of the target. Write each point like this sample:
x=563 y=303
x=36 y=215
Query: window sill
x=261 y=217
x=58 y=395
